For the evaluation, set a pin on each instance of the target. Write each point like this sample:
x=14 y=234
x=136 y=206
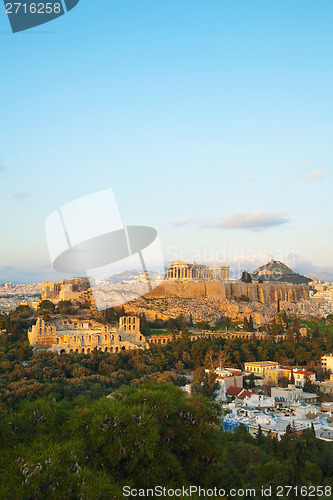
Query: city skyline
x=211 y=122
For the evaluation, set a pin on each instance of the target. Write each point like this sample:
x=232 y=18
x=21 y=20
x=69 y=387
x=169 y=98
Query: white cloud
x=304 y=165
x=256 y=221
x=316 y=174
x=182 y=223
x=20 y=195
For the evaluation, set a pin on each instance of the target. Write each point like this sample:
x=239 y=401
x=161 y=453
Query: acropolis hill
x=200 y=281
x=206 y=293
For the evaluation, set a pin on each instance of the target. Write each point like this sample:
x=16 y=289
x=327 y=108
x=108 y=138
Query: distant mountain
x=278 y=272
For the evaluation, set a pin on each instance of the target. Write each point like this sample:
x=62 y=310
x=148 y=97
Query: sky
x=210 y=120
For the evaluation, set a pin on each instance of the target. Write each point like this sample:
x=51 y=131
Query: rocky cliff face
x=212 y=309
x=209 y=301
x=264 y=293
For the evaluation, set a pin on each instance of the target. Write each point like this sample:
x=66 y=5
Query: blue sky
x=211 y=120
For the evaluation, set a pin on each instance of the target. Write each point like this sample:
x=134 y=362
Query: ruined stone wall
x=264 y=293
x=84 y=340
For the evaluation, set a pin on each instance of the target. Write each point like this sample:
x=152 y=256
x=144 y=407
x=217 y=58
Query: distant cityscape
x=320 y=293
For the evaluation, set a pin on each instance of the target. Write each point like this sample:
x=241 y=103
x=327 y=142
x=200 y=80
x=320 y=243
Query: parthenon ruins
x=196 y=272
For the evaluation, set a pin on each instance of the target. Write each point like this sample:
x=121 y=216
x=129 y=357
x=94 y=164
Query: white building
x=226 y=378
x=274 y=422
x=301 y=376
x=327 y=362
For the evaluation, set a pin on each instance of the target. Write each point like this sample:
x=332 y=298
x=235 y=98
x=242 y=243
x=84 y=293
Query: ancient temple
x=196 y=272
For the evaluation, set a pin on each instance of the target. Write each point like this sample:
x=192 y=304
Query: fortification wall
x=264 y=293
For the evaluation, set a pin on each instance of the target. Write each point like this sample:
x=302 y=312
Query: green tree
x=23 y=312
x=316 y=332
x=204 y=383
x=65 y=307
x=246 y=277
x=46 y=307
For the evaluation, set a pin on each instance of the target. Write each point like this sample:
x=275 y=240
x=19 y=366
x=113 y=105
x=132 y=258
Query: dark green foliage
x=46 y=307
x=204 y=383
x=65 y=307
x=143 y=437
x=316 y=332
x=246 y=277
x=296 y=460
x=62 y=438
